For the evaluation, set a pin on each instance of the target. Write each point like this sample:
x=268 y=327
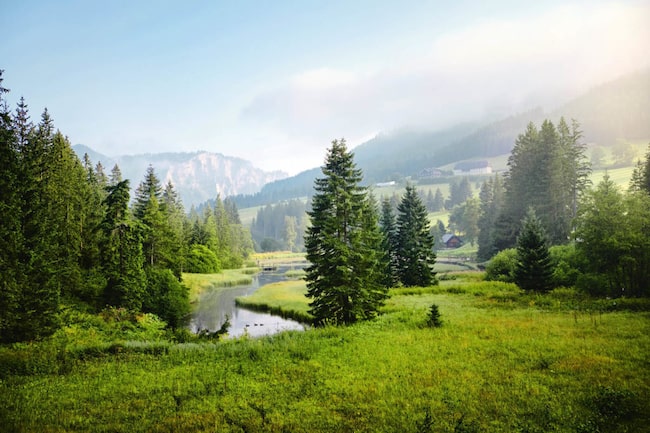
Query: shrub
x=594 y=284
x=501 y=267
x=167 y=297
x=567 y=265
x=201 y=260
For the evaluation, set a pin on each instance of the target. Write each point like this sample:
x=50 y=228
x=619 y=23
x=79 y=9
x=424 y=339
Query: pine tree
x=344 y=279
x=122 y=251
x=414 y=242
x=41 y=260
x=147 y=189
x=438 y=201
x=388 y=226
x=640 y=180
x=12 y=277
x=534 y=270
x=547 y=171
x=491 y=202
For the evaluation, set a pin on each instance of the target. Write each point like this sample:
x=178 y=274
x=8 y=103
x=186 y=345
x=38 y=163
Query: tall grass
x=197 y=283
x=500 y=362
x=285 y=298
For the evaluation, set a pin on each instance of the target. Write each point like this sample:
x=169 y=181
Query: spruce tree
x=344 y=279
x=548 y=171
x=534 y=270
x=12 y=276
x=388 y=226
x=415 y=255
x=640 y=180
x=491 y=202
x=122 y=251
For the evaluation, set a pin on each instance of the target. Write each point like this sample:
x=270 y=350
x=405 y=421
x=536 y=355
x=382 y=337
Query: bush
x=501 y=267
x=567 y=265
x=593 y=284
x=167 y=297
x=201 y=260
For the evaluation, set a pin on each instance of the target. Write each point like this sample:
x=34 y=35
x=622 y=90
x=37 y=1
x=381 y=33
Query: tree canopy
x=343 y=242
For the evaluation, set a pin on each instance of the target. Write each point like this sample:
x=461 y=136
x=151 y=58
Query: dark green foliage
x=640 y=180
x=617 y=253
x=548 y=172
x=345 y=277
x=533 y=271
x=11 y=271
x=414 y=242
x=491 y=203
x=389 y=230
x=148 y=188
x=609 y=407
x=501 y=266
x=122 y=251
x=433 y=318
x=202 y=260
x=271 y=223
x=166 y=297
x=568 y=265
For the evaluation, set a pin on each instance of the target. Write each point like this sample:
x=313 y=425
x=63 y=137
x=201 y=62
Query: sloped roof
x=447 y=236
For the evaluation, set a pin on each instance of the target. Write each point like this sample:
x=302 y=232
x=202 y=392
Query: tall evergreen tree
x=344 y=279
x=388 y=226
x=640 y=180
x=414 y=242
x=438 y=201
x=148 y=188
x=122 y=251
x=491 y=202
x=548 y=171
x=12 y=278
x=41 y=260
x=618 y=255
x=533 y=270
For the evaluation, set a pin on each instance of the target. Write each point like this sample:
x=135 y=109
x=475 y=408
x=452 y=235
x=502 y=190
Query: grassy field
x=502 y=361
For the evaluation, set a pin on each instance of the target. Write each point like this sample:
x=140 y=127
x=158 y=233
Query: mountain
x=197 y=176
x=619 y=109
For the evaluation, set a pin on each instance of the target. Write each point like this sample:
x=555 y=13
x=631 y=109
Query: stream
x=214 y=306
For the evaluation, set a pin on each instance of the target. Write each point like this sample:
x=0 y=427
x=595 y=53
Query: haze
x=275 y=82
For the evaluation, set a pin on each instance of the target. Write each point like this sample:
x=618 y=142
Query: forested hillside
x=72 y=236
x=608 y=114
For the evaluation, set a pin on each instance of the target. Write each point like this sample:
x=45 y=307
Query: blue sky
x=275 y=81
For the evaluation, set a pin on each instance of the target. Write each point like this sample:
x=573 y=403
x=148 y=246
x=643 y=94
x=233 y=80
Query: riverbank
x=502 y=361
x=286 y=299
x=198 y=283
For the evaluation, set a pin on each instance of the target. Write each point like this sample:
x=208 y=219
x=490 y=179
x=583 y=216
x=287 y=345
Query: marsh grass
x=284 y=298
x=197 y=283
x=503 y=361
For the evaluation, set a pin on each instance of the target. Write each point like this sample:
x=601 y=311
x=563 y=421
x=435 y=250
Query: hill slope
x=619 y=109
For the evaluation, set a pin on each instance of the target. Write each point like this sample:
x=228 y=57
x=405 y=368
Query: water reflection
x=214 y=306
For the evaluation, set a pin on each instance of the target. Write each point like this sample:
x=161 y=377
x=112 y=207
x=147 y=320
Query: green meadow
x=502 y=361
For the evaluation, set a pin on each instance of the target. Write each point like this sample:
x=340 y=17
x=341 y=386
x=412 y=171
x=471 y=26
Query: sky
x=274 y=82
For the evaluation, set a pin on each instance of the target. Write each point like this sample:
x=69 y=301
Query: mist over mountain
x=197 y=176
x=616 y=110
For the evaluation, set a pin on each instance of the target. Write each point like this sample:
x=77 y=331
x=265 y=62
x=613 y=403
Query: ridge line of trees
x=71 y=234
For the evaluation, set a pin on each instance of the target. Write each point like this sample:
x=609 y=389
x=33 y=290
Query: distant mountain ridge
x=619 y=109
x=197 y=176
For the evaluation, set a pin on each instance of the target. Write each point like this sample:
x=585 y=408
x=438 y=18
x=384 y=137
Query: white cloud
x=461 y=75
